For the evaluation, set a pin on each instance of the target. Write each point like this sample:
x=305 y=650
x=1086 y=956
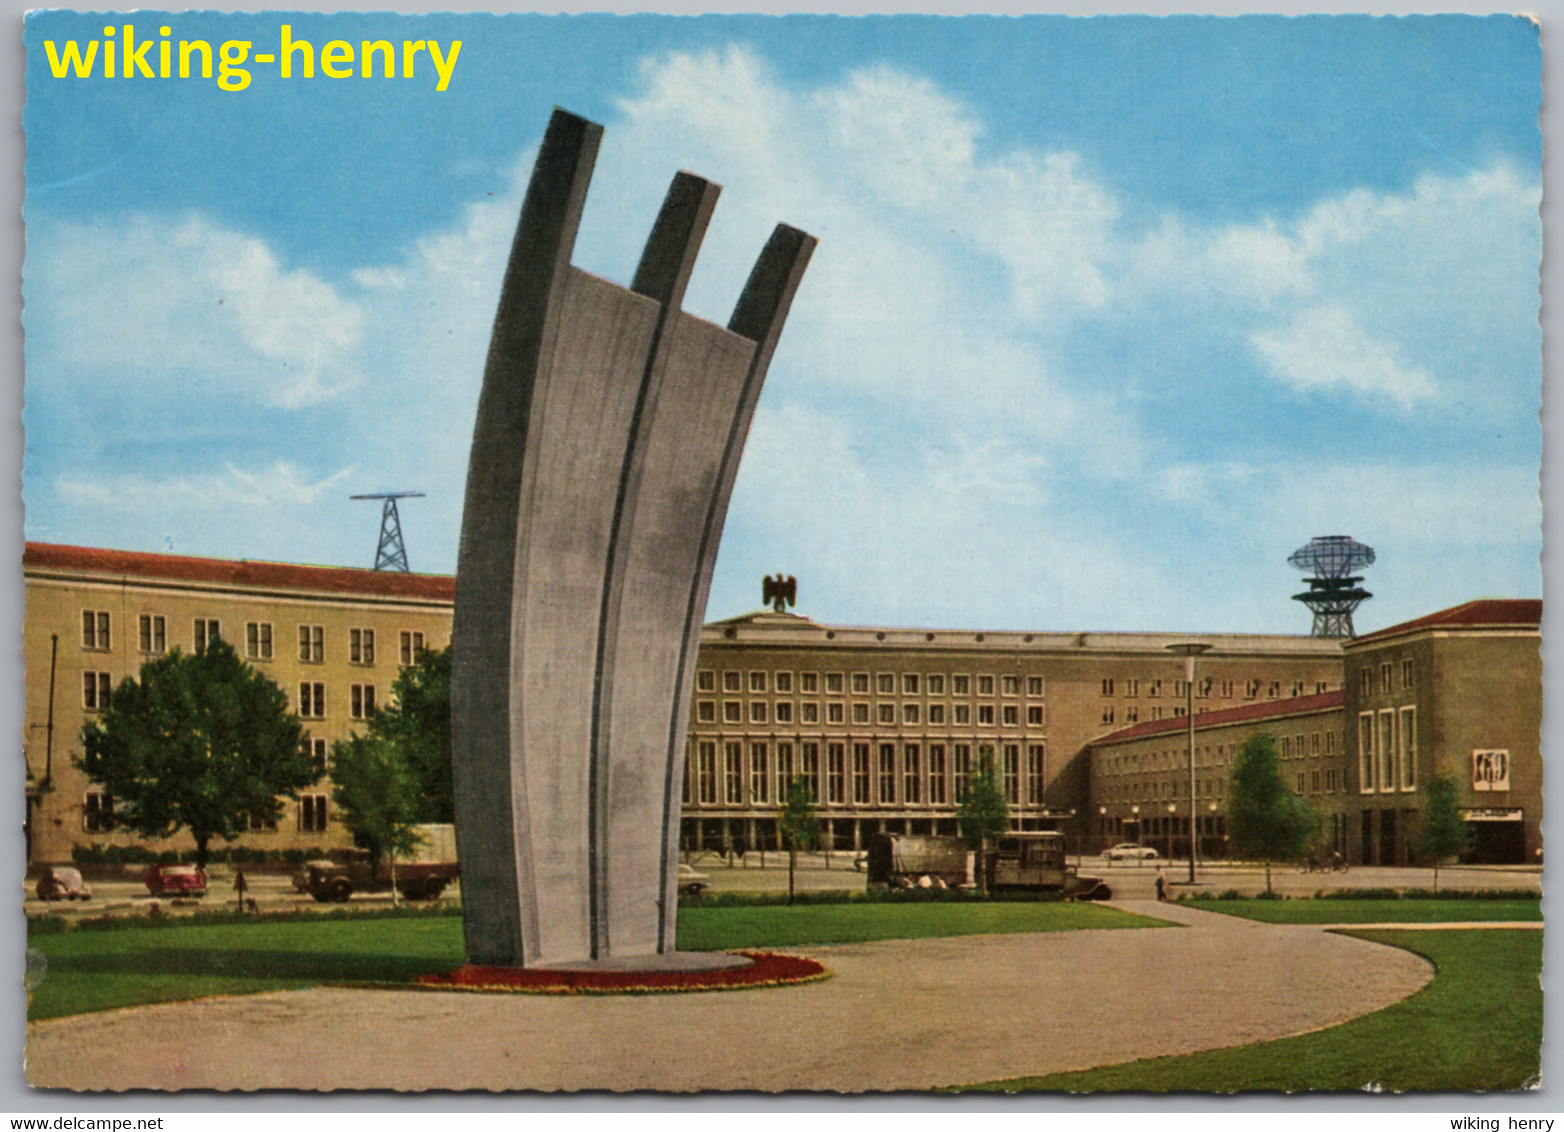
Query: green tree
x=203 y=743
x=982 y=813
x=417 y=722
x=1444 y=832
x=377 y=798
x=797 y=827
x=1265 y=819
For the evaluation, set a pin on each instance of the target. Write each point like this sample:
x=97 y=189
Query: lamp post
x=1189 y=650
x=1135 y=817
x=1172 y=825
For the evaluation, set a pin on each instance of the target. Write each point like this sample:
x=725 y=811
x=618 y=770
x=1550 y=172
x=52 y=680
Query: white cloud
x=1323 y=348
x=281 y=485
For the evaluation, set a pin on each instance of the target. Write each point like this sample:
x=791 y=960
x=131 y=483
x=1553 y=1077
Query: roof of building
x=1484 y=613
x=242 y=572
x=1245 y=713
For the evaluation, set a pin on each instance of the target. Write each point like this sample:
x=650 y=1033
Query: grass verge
x=1477 y=1026
x=130 y=963
x=1371 y=911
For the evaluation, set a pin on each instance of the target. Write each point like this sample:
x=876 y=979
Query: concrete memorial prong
x=607 y=441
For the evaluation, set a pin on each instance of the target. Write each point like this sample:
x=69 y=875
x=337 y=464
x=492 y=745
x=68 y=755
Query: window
x=1407 y=751
x=361 y=646
x=833 y=713
x=909 y=713
x=1286 y=746
x=860 y=713
x=258 y=640
x=1251 y=689
x=757 y=711
x=154 y=633
x=95 y=689
x=860 y=683
x=732 y=711
x=936 y=774
x=95 y=630
x=936 y=713
x=317 y=751
x=733 y=772
x=985 y=685
x=887 y=713
x=1297 y=687
x=936 y=685
x=361 y=701
x=886 y=684
x=1384 y=676
x=312 y=701
x=1107 y=685
x=911 y=793
x=97 y=812
x=809 y=713
x=861 y=774
x=784 y=712
x=1034 y=685
x=1314 y=782
x=1366 y=752
x=1010 y=715
x=312 y=813
x=833 y=683
x=1298 y=785
x=1107 y=713
x=1387 y=751
x=961 y=770
x=783 y=683
x=1321 y=687
x=960 y=685
x=1227 y=689
x=207 y=633
x=1013 y=773
x=759 y=781
x=261 y=824
x=811 y=755
x=706 y=772
x=312 y=644
x=1153 y=688
x=732 y=682
x=909 y=684
x=887 y=773
x=809 y=683
x=1131 y=688
x=963 y=714
x=835 y=776
x=705 y=711
x=1010 y=685
x=757 y=682
x=1406 y=673
x=705 y=679
x=986 y=715
x=412 y=643
x=1366 y=681
x=1131 y=714
x=1273 y=689
x=1036 y=773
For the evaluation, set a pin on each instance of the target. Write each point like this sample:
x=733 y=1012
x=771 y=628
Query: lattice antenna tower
x=391 y=554
x=1333 y=591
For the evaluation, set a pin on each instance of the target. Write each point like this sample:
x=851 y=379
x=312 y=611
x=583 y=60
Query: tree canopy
x=982 y=812
x=1266 y=820
x=1444 y=832
x=797 y=826
x=201 y=742
x=417 y=723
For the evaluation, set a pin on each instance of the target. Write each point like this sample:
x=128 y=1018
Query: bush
x=873 y=896
x=1269 y=896
x=1360 y=894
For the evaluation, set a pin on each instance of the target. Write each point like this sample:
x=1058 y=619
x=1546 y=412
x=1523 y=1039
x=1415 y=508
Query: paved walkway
x=897 y=1015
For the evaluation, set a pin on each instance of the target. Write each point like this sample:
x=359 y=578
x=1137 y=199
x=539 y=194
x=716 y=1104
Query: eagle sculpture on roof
x=779 y=592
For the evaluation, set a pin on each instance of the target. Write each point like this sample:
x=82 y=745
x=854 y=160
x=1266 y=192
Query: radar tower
x=392 y=552
x=1333 y=591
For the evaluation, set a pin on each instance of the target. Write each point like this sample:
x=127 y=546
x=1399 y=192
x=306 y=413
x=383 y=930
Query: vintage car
x=175 y=880
x=1129 y=851
x=691 y=883
x=62 y=882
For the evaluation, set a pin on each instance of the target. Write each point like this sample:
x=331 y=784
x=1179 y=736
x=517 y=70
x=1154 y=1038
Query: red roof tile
x=223 y=571
x=1490 y=611
x=1266 y=709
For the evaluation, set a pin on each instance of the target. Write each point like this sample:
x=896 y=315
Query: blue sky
x=1109 y=316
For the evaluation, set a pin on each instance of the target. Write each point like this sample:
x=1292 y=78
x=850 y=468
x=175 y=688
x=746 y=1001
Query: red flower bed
x=767 y=970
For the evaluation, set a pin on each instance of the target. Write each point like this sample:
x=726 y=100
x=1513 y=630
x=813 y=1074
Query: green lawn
x=136 y=965
x=1374 y=911
x=1478 y=1025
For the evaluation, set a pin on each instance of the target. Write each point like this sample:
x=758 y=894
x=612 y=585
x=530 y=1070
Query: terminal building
x=886 y=724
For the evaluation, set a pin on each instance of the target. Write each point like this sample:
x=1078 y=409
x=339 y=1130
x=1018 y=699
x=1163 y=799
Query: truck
x=421 y=876
x=1023 y=861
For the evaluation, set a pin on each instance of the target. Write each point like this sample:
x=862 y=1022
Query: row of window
x=783 y=711
x=97 y=687
x=1387 y=750
x=152 y=632
x=1366 y=682
x=311 y=814
x=1204 y=689
x=857 y=774
x=860 y=683
x=1330 y=780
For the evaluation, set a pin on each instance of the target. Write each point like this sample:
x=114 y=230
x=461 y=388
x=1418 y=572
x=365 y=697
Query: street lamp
x=1172 y=825
x=1189 y=650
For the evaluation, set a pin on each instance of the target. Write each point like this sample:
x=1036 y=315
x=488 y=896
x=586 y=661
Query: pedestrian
x=1162 y=885
x=241 y=886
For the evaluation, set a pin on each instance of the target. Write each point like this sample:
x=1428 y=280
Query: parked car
x=1129 y=851
x=176 y=880
x=62 y=882
x=691 y=883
